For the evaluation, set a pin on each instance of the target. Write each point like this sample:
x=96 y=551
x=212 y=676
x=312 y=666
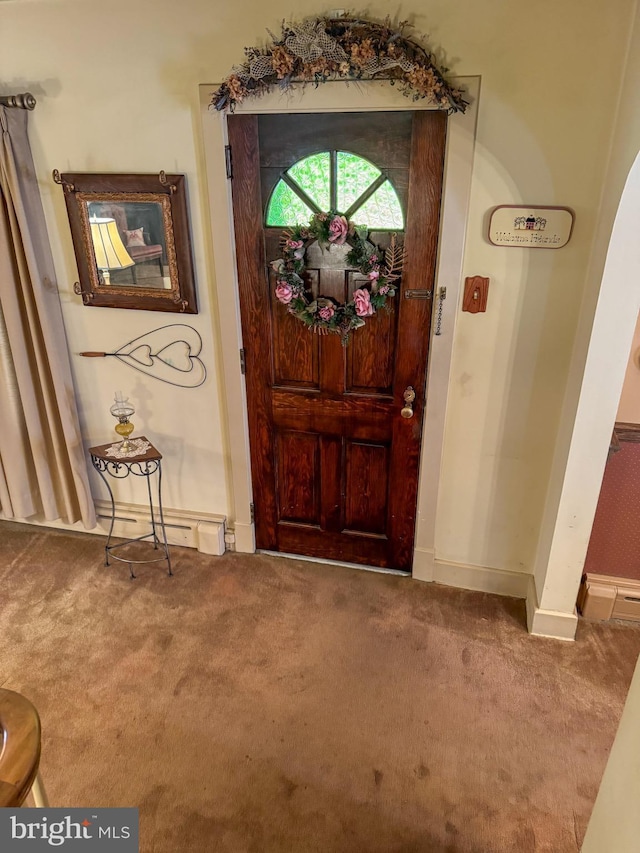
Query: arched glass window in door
x=335 y=180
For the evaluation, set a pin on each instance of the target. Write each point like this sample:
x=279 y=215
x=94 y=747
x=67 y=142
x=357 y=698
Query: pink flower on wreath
x=384 y=289
x=296 y=247
x=338 y=230
x=373 y=275
x=362 y=301
x=284 y=292
x=327 y=312
x=373 y=259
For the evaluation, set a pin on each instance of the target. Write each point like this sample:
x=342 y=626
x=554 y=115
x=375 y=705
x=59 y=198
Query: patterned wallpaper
x=614 y=548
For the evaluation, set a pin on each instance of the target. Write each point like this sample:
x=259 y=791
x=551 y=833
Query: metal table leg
x=113 y=515
x=144 y=468
x=162 y=526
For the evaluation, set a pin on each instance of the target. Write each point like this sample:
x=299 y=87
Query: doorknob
x=409 y=396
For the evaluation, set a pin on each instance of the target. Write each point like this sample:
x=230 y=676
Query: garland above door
x=322 y=49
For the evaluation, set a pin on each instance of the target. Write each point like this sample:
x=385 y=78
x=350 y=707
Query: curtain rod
x=26 y=101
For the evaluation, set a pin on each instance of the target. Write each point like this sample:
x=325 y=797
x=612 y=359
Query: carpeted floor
x=263 y=704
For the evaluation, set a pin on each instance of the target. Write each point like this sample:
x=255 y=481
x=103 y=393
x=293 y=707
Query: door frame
x=364 y=96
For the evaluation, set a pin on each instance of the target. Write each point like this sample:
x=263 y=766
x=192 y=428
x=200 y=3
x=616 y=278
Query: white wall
x=117 y=90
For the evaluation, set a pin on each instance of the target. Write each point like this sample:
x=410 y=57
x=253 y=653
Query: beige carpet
x=263 y=704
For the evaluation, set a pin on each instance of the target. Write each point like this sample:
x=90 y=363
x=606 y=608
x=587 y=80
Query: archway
x=572 y=499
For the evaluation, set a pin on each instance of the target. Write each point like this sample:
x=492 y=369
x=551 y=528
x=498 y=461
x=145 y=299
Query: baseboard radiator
x=206 y=533
x=604 y=597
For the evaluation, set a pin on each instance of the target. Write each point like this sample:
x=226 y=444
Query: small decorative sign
x=531 y=227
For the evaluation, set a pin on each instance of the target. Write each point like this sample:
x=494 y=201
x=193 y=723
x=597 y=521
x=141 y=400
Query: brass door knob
x=409 y=396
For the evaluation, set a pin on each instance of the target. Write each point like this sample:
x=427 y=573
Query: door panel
x=367 y=478
x=371 y=356
x=298 y=477
x=334 y=465
x=295 y=352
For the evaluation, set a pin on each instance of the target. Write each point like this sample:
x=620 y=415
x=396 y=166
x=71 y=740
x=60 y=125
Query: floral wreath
x=326 y=315
x=342 y=48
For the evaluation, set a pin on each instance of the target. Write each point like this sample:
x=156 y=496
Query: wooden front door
x=334 y=465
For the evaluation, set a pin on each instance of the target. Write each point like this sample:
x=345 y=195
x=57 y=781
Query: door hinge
x=243 y=361
x=228 y=162
x=252 y=510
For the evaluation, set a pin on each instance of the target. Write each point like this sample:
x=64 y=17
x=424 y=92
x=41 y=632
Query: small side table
x=144 y=465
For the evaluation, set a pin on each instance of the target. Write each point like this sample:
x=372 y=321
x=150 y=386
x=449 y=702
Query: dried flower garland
x=325 y=315
x=321 y=49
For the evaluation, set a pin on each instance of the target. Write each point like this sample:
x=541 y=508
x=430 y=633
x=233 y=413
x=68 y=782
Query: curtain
x=43 y=466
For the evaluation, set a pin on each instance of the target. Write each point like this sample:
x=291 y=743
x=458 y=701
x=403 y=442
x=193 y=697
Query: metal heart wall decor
x=170 y=354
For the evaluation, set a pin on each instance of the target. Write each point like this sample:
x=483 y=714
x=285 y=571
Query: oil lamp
x=122 y=410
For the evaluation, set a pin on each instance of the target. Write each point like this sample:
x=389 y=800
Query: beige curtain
x=43 y=467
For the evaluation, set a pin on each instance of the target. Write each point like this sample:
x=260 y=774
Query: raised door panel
x=370 y=359
x=298 y=477
x=366 y=487
x=295 y=351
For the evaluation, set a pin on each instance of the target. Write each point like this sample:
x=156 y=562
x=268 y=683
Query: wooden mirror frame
x=169 y=191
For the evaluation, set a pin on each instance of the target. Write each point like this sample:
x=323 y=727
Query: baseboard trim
x=203 y=531
x=542 y=623
x=548 y=623
x=245 y=537
x=606 y=597
x=426 y=567
x=480 y=578
x=423 y=564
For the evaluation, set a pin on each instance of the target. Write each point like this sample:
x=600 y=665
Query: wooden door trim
x=367 y=97
x=243 y=135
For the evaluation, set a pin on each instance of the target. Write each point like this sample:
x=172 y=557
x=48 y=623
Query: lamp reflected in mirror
x=108 y=247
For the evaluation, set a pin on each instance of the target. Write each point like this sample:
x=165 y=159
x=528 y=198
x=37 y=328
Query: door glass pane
x=382 y=210
x=286 y=207
x=313 y=175
x=354 y=176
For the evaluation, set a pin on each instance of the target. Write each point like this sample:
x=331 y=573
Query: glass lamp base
x=124 y=429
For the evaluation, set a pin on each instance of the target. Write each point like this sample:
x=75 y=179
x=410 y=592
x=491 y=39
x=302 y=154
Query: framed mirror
x=131 y=240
